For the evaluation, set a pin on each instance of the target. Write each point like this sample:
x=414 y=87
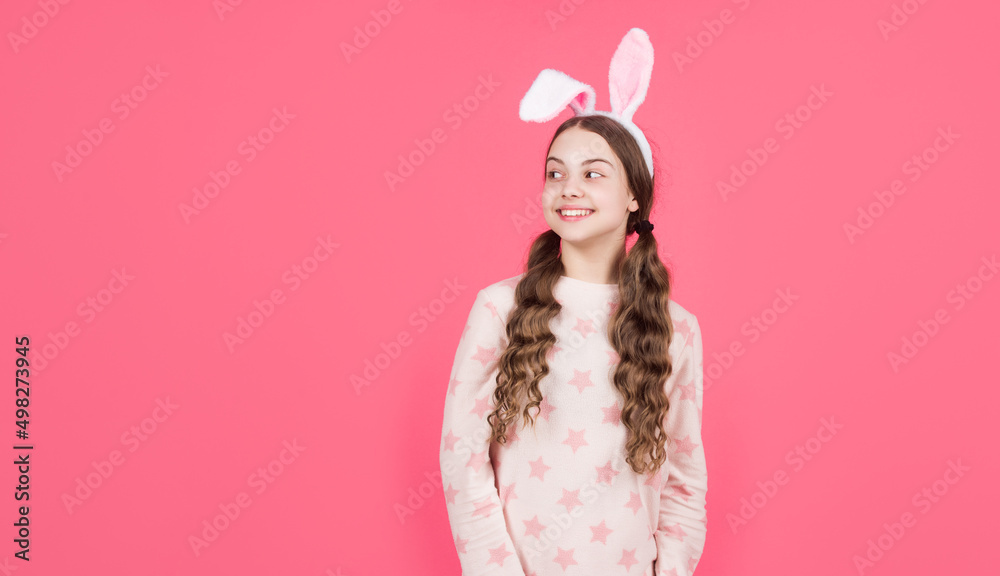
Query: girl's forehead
x=576 y=145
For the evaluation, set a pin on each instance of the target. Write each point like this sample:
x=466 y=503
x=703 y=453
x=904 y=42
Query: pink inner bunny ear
x=631 y=68
x=551 y=92
x=583 y=103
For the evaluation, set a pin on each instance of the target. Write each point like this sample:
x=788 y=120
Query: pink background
x=359 y=495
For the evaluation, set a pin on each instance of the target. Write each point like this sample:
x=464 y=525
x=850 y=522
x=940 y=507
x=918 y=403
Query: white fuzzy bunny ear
x=551 y=92
x=631 y=68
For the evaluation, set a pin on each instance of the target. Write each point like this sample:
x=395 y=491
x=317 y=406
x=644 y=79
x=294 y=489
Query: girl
x=571 y=441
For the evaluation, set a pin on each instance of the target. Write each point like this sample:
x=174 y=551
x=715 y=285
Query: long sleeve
x=683 y=522
x=474 y=508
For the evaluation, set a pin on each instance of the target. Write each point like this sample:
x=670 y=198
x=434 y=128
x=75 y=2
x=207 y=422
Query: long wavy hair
x=639 y=329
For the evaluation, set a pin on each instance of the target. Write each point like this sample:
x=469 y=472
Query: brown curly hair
x=640 y=329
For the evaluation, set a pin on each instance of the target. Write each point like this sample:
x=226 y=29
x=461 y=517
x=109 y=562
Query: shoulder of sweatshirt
x=681 y=317
x=501 y=293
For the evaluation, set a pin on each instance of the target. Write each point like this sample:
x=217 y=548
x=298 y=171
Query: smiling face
x=582 y=171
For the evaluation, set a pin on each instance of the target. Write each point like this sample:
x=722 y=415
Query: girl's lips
x=572 y=218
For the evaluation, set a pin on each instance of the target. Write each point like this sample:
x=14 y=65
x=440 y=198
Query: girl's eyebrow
x=585 y=162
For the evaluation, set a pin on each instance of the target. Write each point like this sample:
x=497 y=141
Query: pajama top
x=560 y=499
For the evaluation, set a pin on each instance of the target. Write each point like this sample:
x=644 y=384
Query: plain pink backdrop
x=360 y=495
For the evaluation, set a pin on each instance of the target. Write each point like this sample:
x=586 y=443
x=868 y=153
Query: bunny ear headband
x=631 y=67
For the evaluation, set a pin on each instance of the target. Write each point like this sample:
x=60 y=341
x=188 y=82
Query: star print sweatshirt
x=560 y=499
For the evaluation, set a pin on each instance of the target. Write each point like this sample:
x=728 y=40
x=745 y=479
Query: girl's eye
x=556 y=173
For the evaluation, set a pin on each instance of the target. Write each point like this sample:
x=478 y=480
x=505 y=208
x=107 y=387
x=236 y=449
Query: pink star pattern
x=628 y=559
x=477 y=460
x=507 y=492
x=481 y=407
x=533 y=527
x=539 y=468
x=551 y=354
x=565 y=558
x=685 y=445
x=485 y=355
x=575 y=439
x=635 y=502
x=499 y=554
x=613 y=357
x=675 y=531
x=612 y=415
x=584 y=327
x=450 y=440
x=600 y=533
x=545 y=408
x=680 y=491
x=449 y=494
x=692 y=562
x=493 y=309
x=581 y=379
x=570 y=499
x=606 y=473
x=484 y=507
x=683 y=329
x=488 y=491
x=655 y=479
x=512 y=433
x=688 y=392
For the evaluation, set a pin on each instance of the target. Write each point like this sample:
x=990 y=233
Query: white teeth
x=575 y=212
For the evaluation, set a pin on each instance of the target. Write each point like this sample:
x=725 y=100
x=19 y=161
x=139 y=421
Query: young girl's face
x=582 y=171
